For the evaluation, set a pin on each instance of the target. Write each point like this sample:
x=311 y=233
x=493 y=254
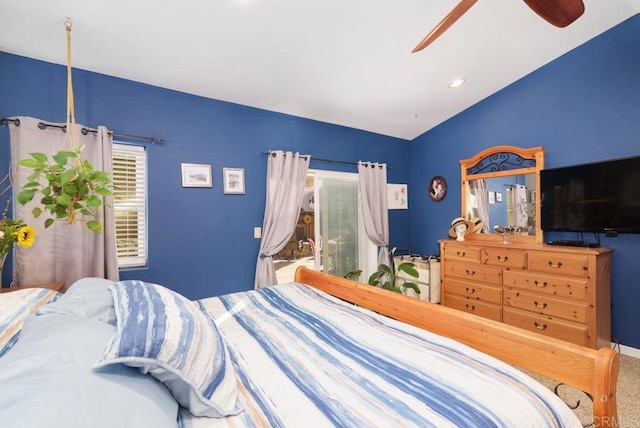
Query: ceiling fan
x=556 y=12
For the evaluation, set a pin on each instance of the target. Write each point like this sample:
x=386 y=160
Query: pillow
x=168 y=336
x=15 y=306
x=47 y=380
x=88 y=298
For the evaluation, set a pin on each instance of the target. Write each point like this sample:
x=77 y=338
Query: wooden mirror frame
x=534 y=155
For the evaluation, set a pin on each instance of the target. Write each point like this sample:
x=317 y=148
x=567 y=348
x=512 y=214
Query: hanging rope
x=72 y=135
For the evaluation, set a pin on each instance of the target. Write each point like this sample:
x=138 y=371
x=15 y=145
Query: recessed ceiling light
x=456 y=83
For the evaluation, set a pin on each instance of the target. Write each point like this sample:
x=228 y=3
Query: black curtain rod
x=324 y=160
x=84 y=131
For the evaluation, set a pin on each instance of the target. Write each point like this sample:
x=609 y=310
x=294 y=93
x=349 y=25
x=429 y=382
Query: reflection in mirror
x=512 y=204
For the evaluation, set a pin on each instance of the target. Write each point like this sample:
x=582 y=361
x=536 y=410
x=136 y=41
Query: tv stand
x=572 y=243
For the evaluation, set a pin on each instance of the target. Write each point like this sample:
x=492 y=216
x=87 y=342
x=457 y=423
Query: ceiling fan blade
x=557 y=12
x=443 y=25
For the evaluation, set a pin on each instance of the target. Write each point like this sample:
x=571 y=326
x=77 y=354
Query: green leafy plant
x=387 y=276
x=69 y=186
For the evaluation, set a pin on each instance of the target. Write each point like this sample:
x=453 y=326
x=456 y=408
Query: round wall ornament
x=437 y=188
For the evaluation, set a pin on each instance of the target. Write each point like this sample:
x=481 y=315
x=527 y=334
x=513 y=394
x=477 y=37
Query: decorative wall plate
x=437 y=188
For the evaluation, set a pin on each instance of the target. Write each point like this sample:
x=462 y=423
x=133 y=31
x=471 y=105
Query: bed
x=299 y=354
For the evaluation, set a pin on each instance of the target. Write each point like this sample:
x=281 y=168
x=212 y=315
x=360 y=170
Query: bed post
x=605 y=377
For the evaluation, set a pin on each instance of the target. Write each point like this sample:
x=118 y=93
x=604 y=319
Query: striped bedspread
x=306 y=359
x=15 y=307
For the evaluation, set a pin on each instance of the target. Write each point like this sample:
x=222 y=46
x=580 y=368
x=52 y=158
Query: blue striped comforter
x=306 y=359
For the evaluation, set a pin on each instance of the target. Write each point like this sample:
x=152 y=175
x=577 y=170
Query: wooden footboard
x=595 y=372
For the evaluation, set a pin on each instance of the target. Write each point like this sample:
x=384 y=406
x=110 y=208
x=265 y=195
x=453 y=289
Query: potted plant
x=68 y=186
x=387 y=276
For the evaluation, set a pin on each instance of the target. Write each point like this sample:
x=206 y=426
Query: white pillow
x=166 y=335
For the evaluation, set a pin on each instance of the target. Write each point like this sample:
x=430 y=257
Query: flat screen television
x=596 y=197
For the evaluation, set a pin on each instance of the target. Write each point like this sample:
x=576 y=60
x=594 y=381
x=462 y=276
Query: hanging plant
x=68 y=185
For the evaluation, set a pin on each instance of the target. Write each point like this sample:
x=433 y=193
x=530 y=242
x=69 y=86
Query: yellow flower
x=26 y=236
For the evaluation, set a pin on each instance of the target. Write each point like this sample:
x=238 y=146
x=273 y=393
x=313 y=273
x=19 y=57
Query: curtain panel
x=373 y=195
x=478 y=189
x=286 y=174
x=62 y=252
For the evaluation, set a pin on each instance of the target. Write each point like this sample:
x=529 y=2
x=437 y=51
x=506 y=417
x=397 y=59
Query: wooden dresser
x=562 y=292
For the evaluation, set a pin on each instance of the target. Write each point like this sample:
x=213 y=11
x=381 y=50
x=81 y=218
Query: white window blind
x=511 y=212
x=130 y=205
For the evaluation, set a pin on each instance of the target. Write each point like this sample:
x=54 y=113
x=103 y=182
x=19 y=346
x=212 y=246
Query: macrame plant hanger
x=71 y=136
x=69 y=186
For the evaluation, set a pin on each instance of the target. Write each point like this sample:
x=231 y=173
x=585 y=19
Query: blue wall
x=200 y=240
x=582 y=107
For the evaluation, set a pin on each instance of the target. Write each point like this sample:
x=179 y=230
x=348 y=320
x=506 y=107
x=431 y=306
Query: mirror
x=500 y=186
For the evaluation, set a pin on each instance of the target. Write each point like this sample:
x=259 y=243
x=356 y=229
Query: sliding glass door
x=341 y=244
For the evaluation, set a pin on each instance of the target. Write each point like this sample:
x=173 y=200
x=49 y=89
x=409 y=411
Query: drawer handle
x=541 y=285
x=540 y=305
x=503 y=259
x=556 y=266
x=470 y=290
x=470 y=272
x=539 y=326
x=461 y=254
x=469 y=307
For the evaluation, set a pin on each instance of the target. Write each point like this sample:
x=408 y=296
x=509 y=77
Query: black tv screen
x=595 y=197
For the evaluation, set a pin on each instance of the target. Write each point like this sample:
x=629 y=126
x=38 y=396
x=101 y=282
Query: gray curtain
x=478 y=188
x=286 y=174
x=62 y=252
x=373 y=194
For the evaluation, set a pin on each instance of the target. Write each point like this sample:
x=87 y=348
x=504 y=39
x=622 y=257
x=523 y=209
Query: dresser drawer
x=564 y=330
x=476 y=273
x=504 y=257
x=462 y=252
x=475 y=291
x=561 y=286
x=559 y=263
x=546 y=305
x=482 y=309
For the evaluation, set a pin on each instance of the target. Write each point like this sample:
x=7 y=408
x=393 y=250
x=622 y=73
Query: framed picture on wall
x=233 y=181
x=437 y=188
x=397 y=196
x=498 y=196
x=492 y=198
x=196 y=175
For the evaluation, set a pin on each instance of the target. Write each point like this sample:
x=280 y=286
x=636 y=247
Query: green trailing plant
x=68 y=185
x=387 y=276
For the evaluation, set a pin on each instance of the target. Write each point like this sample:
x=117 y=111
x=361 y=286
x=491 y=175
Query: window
x=130 y=205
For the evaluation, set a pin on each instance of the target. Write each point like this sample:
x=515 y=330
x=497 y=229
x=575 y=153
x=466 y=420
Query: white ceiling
x=346 y=62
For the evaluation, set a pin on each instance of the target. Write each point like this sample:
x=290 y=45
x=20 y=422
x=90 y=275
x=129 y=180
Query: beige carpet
x=628 y=395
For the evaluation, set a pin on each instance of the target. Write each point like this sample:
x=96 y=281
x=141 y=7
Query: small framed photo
x=498 y=196
x=437 y=188
x=196 y=175
x=233 y=181
x=492 y=198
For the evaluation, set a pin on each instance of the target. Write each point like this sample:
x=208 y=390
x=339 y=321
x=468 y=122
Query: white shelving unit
x=428 y=277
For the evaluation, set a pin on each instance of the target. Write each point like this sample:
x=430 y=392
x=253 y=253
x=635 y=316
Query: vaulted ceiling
x=345 y=62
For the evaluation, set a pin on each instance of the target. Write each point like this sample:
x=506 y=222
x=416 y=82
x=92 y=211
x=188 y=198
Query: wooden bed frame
x=594 y=372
